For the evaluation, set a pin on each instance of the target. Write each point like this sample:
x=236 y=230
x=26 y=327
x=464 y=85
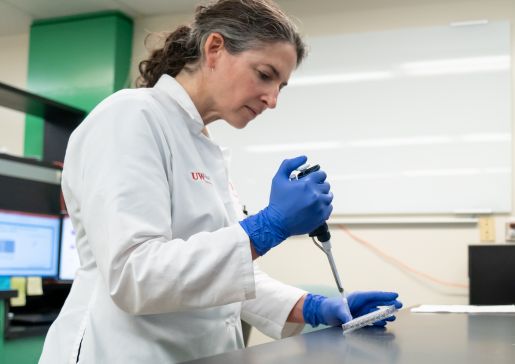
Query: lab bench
x=413 y=338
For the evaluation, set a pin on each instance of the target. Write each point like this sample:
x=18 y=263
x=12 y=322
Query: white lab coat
x=166 y=269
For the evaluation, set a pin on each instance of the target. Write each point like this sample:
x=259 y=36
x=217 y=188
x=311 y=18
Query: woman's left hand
x=333 y=311
x=361 y=303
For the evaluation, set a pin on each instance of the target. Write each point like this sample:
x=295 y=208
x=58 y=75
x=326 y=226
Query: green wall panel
x=33 y=146
x=78 y=61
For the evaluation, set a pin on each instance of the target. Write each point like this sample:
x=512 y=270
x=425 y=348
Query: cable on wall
x=396 y=262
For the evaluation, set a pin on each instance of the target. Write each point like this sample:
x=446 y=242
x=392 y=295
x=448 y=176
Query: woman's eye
x=264 y=76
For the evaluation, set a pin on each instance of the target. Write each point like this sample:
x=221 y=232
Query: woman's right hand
x=296 y=207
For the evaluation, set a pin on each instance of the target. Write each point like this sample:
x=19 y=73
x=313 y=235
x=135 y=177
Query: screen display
x=69 y=258
x=28 y=244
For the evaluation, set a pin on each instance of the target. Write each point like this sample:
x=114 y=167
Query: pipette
x=323 y=235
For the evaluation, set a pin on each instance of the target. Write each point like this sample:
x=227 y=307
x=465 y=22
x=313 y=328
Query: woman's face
x=248 y=83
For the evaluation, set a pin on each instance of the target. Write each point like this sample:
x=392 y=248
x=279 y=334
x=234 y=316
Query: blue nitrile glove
x=326 y=311
x=332 y=311
x=295 y=207
x=361 y=303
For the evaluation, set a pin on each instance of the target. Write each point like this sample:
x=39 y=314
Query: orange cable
x=398 y=262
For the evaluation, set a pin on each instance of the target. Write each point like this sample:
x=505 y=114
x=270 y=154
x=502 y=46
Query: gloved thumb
x=344 y=315
x=289 y=165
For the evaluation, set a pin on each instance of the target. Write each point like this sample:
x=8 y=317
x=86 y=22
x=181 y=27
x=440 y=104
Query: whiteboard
x=404 y=121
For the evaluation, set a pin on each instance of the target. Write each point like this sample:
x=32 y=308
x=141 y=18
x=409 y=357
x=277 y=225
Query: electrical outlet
x=510 y=230
x=487 y=229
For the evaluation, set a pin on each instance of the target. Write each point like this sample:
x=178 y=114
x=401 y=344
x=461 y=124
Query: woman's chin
x=239 y=123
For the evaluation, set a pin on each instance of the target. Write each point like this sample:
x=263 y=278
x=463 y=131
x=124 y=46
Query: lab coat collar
x=172 y=88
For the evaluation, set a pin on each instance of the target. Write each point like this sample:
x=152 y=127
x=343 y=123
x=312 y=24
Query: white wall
x=145 y=26
x=14 y=50
x=439 y=250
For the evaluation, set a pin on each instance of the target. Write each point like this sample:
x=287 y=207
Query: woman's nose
x=270 y=98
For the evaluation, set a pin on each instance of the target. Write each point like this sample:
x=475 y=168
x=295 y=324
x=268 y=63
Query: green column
x=76 y=60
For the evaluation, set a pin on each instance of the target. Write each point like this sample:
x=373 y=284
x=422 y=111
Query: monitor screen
x=29 y=244
x=69 y=258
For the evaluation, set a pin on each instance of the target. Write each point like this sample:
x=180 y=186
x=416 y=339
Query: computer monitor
x=29 y=244
x=68 y=257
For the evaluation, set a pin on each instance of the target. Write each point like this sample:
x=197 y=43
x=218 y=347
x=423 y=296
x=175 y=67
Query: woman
x=166 y=255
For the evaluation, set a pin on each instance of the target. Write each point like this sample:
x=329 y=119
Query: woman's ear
x=213 y=48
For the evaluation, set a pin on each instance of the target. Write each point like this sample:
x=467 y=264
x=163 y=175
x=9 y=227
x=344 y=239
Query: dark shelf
x=18 y=332
x=50 y=110
x=60 y=119
x=39 y=312
x=8 y=294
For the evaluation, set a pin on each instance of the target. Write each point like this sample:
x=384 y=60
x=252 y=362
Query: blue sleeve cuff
x=263 y=234
x=311 y=309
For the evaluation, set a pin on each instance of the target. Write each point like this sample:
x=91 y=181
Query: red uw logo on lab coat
x=200 y=176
